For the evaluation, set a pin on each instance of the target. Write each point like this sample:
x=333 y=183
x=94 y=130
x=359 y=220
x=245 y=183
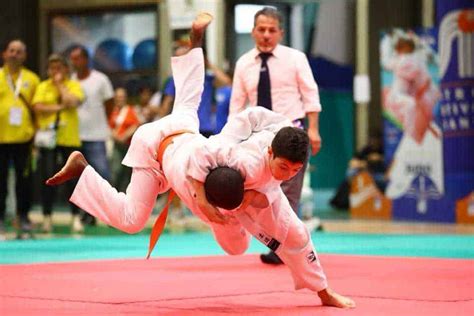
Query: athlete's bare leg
x=75 y=165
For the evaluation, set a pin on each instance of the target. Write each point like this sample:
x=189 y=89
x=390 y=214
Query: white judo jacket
x=242 y=144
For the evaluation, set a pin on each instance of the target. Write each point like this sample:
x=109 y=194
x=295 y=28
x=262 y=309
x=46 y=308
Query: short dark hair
x=224 y=188
x=82 y=49
x=269 y=12
x=144 y=88
x=291 y=143
x=8 y=42
x=57 y=58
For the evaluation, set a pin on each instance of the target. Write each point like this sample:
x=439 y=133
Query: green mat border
x=203 y=244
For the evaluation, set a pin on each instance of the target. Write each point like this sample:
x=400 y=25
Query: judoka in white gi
x=262 y=211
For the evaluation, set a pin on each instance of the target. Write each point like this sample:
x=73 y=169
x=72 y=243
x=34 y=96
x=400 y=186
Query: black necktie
x=264 y=93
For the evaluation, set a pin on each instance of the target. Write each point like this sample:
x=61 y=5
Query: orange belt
x=160 y=222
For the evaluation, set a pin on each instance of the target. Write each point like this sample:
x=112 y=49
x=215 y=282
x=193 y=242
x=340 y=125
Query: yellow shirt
x=16 y=125
x=68 y=127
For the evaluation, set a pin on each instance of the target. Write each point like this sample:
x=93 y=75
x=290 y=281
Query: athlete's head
x=224 y=187
x=288 y=152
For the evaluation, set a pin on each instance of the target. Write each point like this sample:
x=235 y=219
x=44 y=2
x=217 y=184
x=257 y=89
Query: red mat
x=226 y=285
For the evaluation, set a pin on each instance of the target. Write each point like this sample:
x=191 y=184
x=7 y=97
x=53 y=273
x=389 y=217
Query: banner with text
x=455 y=20
x=413 y=143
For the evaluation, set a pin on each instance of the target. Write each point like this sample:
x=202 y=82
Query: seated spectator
x=369 y=158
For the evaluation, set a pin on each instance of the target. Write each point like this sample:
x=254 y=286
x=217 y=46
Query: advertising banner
x=456 y=61
x=413 y=144
x=428 y=108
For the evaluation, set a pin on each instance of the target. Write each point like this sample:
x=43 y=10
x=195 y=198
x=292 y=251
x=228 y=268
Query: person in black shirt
x=369 y=158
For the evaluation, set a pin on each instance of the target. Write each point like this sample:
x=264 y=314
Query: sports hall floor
x=388 y=268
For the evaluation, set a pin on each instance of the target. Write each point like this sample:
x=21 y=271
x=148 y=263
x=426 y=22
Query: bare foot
x=75 y=165
x=198 y=28
x=331 y=298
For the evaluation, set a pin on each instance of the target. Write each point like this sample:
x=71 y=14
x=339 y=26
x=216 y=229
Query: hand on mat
x=330 y=298
x=255 y=199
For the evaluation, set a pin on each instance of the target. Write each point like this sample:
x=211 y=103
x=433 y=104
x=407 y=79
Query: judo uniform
x=242 y=145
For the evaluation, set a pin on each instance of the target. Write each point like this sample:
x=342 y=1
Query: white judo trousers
x=277 y=226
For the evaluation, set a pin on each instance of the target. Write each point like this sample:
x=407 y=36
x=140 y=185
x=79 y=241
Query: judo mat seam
x=231 y=295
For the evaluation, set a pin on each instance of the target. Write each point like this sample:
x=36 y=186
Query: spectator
x=279 y=78
x=124 y=122
x=17 y=87
x=369 y=158
x=93 y=114
x=55 y=104
x=148 y=107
